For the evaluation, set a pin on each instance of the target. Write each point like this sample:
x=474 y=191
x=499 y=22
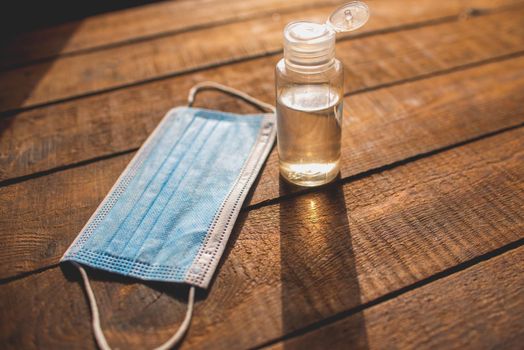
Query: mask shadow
x=318 y=272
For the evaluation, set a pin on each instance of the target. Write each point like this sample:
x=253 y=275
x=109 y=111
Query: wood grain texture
x=299 y=261
x=135 y=24
x=479 y=308
x=418 y=245
x=120 y=66
x=420 y=117
x=98 y=126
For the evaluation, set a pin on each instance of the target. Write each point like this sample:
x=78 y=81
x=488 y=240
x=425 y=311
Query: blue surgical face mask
x=169 y=215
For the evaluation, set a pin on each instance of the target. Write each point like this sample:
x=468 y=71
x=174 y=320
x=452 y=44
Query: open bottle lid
x=348 y=17
x=311 y=44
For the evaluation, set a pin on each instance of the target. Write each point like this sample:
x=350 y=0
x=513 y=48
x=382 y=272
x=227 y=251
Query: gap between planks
x=472 y=155
x=469 y=13
x=487 y=110
x=194 y=27
x=499 y=111
x=311 y=330
x=38 y=174
x=381 y=168
x=28 y=151
x=487 y=256
x=332 y=185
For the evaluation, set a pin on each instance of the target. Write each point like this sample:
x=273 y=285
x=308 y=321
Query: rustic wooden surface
x=418 y=244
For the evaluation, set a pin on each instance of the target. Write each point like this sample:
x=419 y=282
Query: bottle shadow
x=318 y=272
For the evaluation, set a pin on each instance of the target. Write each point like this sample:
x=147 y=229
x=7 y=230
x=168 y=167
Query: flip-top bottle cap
x=348 y=17
x=309 y=45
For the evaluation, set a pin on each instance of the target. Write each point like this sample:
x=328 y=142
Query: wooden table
x=419 y=244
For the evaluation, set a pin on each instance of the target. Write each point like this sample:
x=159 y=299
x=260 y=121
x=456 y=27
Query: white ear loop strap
x=210 y=85
x=97 y=329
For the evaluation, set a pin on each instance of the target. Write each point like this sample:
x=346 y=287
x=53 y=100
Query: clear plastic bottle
x=309 y=92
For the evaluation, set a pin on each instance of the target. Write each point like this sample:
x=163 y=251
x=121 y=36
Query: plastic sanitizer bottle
x=309 y=92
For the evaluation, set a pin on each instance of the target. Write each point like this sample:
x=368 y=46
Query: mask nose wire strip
x=97 y=328
x=210 y=85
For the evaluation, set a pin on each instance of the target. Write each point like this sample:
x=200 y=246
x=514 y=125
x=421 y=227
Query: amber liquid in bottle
x=309 y=90
x=309 y=133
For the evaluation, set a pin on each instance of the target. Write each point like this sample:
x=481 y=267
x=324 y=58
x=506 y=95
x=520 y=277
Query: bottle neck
x=308 y=47
x=309 y=66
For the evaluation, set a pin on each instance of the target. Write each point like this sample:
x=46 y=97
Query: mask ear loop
x=97 y=328
x=210 y=85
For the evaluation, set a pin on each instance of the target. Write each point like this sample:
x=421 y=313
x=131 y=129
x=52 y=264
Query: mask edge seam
x=223 y=225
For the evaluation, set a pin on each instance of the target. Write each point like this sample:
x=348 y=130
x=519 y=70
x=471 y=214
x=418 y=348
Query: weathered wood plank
x=419 y=117
x=302 y=260
x=140 y=23
x=102 y=70
x=479 y=308
x=59 y=135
